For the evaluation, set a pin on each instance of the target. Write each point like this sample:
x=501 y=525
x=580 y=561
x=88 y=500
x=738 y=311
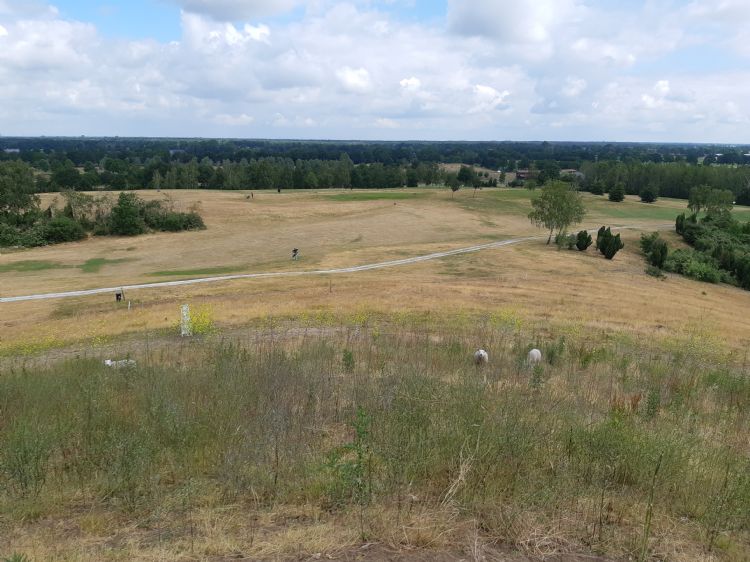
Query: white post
x=186 y=329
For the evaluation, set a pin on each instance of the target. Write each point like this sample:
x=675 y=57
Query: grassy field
x=308 y=442
x=245 y=236
x=315 y=415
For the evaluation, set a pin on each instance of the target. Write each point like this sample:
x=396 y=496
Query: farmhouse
x=525 y=174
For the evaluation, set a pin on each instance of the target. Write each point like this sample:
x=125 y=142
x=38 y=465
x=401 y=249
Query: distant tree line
x=649 y=170
x=666 y=179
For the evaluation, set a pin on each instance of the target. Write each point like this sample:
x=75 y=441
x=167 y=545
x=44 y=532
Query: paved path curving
x=353 y=269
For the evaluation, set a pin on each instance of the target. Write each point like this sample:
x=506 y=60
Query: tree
x=600 y=235
x=719 y=202
x=558 y=207
x=311 y=180
x=655 y=249
x=679 y=223
x=698 y=198
x=156 y=180
x=617 y=193
x=412 y=178
x=583 y=240
x=649 y=193
x=452 y=181
x=126 y=217
x=608 y=244
x=63 y=229
x=17 y=189
x=466 y=175
x=658 y=254
x=67 y=178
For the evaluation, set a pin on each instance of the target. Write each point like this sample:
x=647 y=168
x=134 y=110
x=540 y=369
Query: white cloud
x=501 y=69
x=386 y=123
x=487 y=99
x=354 y=79
x=237 y=10
x=411 y=84
x=528 y=27
x=234 y=120
x=573 y=86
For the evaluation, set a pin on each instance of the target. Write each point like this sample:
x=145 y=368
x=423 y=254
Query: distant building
x=525 y=174
x=173 y=151
x=12 y=150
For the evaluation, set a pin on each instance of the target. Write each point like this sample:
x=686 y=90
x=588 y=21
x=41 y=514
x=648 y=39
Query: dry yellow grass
x=541 y=283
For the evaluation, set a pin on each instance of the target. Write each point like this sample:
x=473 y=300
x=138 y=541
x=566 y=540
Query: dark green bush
x=659 y=252
x=694 y=265
x=617 y=193
x=680 y=223
x=27 y=238
x=583 y=240
x=647 y=241
x=126 y=219
x=63 y=229
x=655 y=249
x=608 y=244
x=600 y=237
x=649 y=194
x=612 y=246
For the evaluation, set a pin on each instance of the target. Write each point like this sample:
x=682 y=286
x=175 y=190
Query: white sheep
x=481 y=357
x=534 y=357
x=123 y=364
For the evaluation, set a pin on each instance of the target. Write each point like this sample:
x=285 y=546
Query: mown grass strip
x=191 y=272
x=378 y=196
x=31 y=265
x=94 y=265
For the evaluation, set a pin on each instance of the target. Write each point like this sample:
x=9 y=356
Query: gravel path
x=353 y=269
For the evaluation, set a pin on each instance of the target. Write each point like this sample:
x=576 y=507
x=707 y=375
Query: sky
x=578 y=70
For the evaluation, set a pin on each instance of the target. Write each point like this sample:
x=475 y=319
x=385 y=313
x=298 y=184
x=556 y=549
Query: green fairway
x=94 y=265
x=31 y=265
x=376 y=196
x=193 y=272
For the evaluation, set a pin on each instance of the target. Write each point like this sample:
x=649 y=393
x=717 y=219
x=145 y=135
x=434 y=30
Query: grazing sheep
x=534 y=357
x=481 y=357
x=123 y=364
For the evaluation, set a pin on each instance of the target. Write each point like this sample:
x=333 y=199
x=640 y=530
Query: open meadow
x=348 y=228
x=341 y=416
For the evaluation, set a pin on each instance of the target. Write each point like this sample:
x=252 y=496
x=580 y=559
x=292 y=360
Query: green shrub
x=649 y=193
x=613 y=246
x=23 y=237
x=659 y=252
x=565 y=241
x=654 y=271
x=600 y=235
x=702 y=271
x=608 y=244
x=694 y=265
x=126 y=219
x=647 y=241
x=583 y=241
x=63 y=229
x=655 y=249
x=680 y=223
x=617 y=193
